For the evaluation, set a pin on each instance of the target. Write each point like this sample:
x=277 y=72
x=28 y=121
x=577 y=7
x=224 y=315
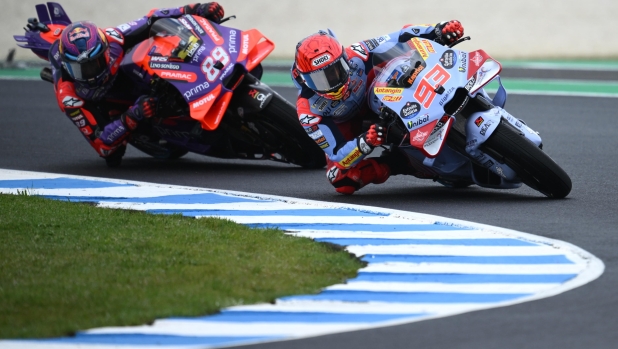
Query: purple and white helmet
x=85 y=53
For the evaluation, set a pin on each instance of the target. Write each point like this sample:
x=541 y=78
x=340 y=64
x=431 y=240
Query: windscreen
x=398 y=66
x=187 y=43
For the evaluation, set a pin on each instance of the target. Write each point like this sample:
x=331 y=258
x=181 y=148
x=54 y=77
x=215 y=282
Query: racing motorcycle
x=207 y=79
x=436 y=112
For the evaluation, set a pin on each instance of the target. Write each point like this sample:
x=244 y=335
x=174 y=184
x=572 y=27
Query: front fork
x=481 y=125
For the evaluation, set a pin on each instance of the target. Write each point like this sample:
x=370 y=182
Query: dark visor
x=329 y=78
x=89 y=68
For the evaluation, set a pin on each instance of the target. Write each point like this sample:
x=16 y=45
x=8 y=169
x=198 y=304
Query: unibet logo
x=419 y=121
x=321 y=60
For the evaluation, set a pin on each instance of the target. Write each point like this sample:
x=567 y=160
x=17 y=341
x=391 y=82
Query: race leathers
x=92 y=108
x=335 y=124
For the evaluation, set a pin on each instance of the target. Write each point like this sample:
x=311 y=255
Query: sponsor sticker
x=470 y=83
x=428 y=46
x=479 y=121
x=420 y=136
x=420 y=48
x=79 y=33
x=387 y=90
x=392 y=98
x=308 y=120
x=371 y=44
x=339 y=111
x=464 y=62
x=332 y=173
x=178 y=75
x=486 y=127
x=126 y=26
x=87 y=131
x=414 y=74
x=316 y=135
x=72 y=102
x=321 y=60
x=166 y=66
x=159 y=58
x=212 y=32
x=476 y=59
x=114 y=34
x=448 y=59
x=364 y=147
x=323 y=105
x=418 y=121
x=203 y=101
x=351 y=158
x=195 y=25
x=231 y=42
x=360 y=50
x=196 y=90
x=259 y=96
x=410 y=110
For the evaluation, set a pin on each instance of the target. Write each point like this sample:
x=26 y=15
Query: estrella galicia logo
x=410 y=110
x=448 y=59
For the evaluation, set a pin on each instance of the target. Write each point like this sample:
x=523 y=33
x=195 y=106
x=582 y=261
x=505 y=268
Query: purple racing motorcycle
x=207 y=79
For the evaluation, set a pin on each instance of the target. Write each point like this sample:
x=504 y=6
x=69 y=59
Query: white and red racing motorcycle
x=437 y=113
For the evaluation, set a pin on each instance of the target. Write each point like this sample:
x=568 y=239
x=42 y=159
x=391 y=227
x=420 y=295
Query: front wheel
x=280 y=118
x=161 y=152
x=535 y=168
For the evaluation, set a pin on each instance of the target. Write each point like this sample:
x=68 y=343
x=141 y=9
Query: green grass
x=66 y=267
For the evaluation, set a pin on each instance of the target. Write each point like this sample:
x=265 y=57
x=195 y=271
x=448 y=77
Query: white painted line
x=448 y=250
x=13 y=344
x=426 y=234
x=385 y=220
x=242 y=329
x=441 y=287
x=340 y=307
x=454 y=268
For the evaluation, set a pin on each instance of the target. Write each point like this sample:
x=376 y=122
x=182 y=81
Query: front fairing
x=417 y=78
x=204 y=61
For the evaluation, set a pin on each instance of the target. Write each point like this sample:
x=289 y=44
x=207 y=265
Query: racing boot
x=347 y=181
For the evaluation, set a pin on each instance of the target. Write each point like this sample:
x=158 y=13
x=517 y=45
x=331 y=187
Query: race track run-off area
x=419 y=266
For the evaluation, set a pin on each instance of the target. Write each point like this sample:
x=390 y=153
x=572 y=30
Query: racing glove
x=115 y=133
x=374 y=137
x=211 y=10
x=144 y=108
x=448 y=32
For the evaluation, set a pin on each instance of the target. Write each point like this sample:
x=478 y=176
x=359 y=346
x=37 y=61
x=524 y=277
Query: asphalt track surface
x=579 y=133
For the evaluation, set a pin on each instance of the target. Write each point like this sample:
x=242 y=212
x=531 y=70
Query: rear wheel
x=535 y=168
x=293 y=143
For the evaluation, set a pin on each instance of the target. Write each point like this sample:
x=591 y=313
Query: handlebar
x=227 y=18
x=465 y=38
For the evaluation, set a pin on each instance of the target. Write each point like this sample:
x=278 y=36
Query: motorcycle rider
x=85 y=66
x=332 y=104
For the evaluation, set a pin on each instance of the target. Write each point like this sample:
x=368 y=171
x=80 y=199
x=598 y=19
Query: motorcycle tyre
x=115 y=159
x=298 y=148
x=535 y=168
x=174 y=152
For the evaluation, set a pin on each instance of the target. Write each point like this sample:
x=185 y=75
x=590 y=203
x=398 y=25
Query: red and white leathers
x=336 y=125
x=95 y=110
